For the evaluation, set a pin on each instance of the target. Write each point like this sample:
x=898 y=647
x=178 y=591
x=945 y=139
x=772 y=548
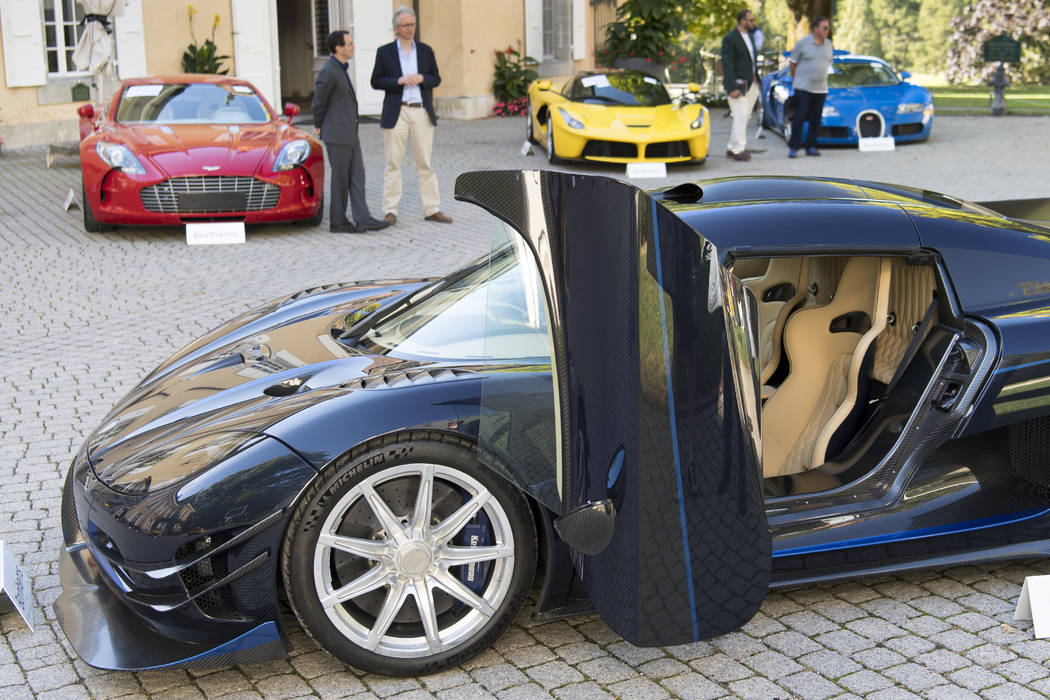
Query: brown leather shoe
x=439 y=217
x=390 y=218
x=743 y=155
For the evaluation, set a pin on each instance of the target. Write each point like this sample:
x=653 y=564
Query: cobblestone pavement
x=82 y=317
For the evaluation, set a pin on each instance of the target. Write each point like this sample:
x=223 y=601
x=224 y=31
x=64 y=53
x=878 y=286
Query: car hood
x=632 y=119
x=856 y=99
x=250 y=372
x=201 y=149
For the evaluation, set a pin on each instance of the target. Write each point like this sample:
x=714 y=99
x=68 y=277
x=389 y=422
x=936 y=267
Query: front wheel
x=529 y=136
x=552 y=154
x=409 y=557
x=91 y=225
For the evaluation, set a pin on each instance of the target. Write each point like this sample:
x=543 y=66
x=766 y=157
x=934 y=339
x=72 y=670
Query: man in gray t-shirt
x=810 y=60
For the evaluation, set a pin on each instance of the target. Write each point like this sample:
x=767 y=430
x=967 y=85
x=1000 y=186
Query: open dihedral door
x=656 y=404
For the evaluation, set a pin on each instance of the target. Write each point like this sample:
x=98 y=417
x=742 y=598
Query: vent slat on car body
x=398 y=380
x=243 y=194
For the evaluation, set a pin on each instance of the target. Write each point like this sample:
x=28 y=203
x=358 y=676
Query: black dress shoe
x=345 y=228
x=371 y=224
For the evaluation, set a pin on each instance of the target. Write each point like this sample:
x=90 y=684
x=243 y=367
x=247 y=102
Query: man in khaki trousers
x=407 y=71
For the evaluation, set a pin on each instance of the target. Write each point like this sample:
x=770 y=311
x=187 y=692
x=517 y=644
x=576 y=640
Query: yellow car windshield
x=627 y=88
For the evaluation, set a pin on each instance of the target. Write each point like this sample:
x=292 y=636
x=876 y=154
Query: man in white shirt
x=809 y=63
x=740 y=81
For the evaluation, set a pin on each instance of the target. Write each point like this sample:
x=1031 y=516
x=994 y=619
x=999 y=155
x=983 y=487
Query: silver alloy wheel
x=410 y=557
x=528 y=125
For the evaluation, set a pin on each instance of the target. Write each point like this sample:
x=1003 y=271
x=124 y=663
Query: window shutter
x=131 y=43
x=534 y=29
x=23 y=26
x=579 y=29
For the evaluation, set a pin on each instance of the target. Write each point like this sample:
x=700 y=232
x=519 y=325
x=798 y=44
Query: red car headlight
x=118 y=156
x=292 y=154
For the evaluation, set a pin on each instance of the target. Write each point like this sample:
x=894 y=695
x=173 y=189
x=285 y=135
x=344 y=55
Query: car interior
x=836 y=337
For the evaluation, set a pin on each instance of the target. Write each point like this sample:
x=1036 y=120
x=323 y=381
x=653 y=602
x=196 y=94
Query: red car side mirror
x=291 y=110
x=86 y=111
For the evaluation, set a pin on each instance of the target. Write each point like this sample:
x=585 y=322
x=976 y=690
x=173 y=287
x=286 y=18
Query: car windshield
x=493 y=310
x=629 y=88
x=845 y=74
x=191 y=103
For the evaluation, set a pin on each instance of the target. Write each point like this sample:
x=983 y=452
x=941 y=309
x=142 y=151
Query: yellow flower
x=216 y=22
x=192 y=10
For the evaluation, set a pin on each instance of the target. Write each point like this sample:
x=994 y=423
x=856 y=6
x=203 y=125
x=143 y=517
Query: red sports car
x=190 y=148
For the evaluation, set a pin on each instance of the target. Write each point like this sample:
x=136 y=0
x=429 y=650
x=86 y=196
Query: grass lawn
x=976 y=99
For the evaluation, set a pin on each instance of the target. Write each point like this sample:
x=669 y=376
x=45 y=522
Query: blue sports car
x=866 y=98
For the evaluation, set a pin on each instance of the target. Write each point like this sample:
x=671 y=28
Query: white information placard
x=876 y=143
x=215 y=233
x=640 y=170
x=16 y=585
x=526 y=149
x=1034 y=604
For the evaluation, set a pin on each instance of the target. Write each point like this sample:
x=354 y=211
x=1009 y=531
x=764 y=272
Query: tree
x=644 y=29
x=1027 y=21
x=854 y=28
x=930 y=53
x=803 y=11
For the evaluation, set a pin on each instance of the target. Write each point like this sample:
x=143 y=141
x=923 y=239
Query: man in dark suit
x=335 y=119
x=407 y=71
x=740 y=81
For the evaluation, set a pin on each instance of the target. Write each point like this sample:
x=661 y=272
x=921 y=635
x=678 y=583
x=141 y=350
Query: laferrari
x=663 y=403
x=617 y=117
x=193 y=148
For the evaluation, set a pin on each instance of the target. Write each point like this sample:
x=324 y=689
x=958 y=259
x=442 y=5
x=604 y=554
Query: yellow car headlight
x=700 y=119
x=570 y=120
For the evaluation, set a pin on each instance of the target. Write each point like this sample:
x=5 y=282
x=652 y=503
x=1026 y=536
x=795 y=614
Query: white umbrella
x=94 y=48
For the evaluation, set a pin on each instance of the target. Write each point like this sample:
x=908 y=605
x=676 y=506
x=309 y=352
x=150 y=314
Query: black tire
x=317 y=218
x=530 y=137
x=386 y=572
x=552 y=154
x=91 y=225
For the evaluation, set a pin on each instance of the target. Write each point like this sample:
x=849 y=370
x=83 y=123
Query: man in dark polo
x=335 y=119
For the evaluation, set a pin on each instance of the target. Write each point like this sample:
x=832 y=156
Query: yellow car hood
x=661 y=118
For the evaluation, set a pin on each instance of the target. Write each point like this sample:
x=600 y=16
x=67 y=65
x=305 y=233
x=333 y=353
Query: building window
x=557 y=30
x=62 y=30
x=321 y=30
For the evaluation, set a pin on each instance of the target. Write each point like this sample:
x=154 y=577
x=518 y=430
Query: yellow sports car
x=616 y=117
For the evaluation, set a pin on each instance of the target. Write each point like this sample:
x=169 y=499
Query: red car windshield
x=191 y=103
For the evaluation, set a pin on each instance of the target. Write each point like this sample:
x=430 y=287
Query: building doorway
x=302 y=29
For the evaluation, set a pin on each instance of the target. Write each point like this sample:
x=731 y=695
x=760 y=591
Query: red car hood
x=199 y=149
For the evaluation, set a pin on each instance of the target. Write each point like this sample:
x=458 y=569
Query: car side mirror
x=291 y=110
x=694 y=87
x=86 y=111
x=905 y=75
x=543 y=85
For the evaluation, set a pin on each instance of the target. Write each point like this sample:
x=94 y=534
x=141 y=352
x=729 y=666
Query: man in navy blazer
x=334 y=109
x=407 y=71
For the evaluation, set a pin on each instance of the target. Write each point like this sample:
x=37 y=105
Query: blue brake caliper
x=476 y=533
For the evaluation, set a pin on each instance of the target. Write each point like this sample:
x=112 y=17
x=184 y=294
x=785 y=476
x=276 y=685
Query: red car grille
x=209 y=194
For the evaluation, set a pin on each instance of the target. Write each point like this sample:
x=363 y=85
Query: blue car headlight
x=292 y=154
x=910 y=107
x=116 y=156
x=829 y=111
x=699 y=121
x=572 y=121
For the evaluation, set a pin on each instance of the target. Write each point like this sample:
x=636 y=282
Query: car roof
x=178 y=78
x=780 y=213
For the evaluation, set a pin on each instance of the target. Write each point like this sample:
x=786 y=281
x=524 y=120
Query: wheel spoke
x=386 y=517
x=424 y=499
x=427 y=613
x=378 y=550
x=368 y=581
x=395 y=598
x=459 y=556
x=454 y=587
x=448 y=527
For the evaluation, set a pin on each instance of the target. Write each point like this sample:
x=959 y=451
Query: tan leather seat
x=911 y=292
x=826 y=346
x=774 y=306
